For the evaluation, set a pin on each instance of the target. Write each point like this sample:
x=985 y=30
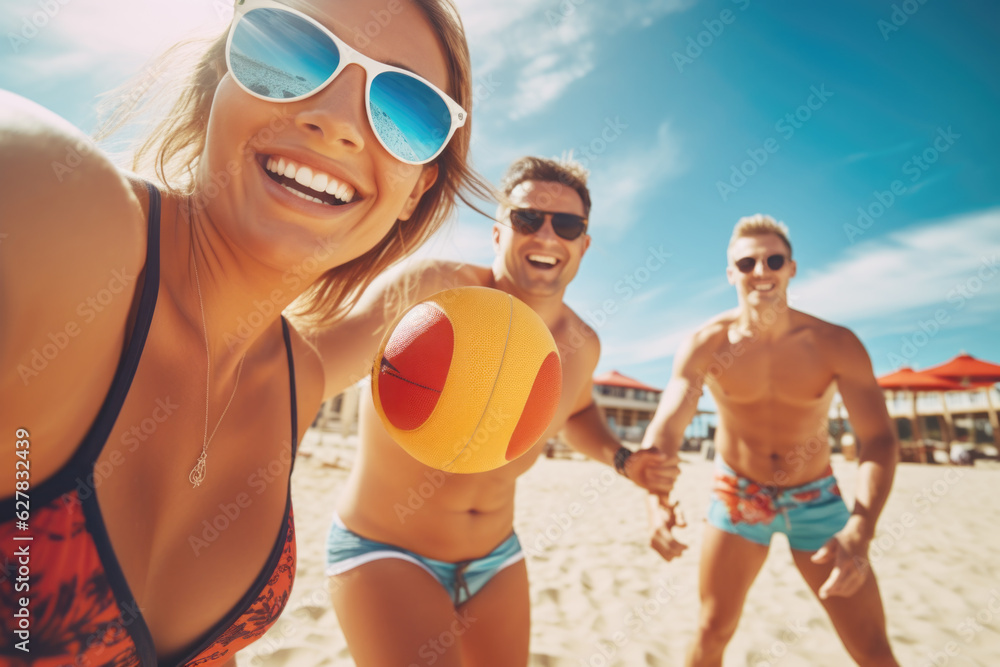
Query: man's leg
x=859 y=619
x=729 y=564
x=496 y=621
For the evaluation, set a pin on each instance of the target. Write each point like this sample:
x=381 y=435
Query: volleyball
x=467 y=380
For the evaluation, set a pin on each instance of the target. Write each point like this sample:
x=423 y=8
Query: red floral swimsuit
x=81 y=611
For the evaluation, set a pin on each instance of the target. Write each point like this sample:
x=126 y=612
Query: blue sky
x=691 y=114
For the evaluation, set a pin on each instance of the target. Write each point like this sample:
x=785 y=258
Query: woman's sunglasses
x=279 y=54
x=566 y=225
x=747 y=264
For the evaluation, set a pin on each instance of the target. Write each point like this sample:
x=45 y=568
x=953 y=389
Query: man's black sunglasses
x=747 y=264
x=566 y=225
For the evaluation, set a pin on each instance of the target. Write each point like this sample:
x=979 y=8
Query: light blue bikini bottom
x=346 y=550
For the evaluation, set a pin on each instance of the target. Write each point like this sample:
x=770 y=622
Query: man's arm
x=587 y=431
x=874 y=431
x=679 y=403
x=348 y=346
x=876 y=436
x=678 y=406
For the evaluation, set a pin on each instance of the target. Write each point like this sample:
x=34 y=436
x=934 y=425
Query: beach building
x=948 y=412
x=947 y=419
x=340 y=413
x=628 y=404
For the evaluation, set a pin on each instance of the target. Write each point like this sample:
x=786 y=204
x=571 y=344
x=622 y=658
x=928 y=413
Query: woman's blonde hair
x=173 y=148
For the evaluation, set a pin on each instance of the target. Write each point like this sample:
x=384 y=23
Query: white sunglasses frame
x=348 y=56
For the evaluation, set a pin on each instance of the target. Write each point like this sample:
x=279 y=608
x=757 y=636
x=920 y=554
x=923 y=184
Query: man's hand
x=653 y=470
x=665 y=517
x=848 y=551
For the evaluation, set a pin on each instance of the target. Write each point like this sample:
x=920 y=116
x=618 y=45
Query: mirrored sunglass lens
x=775 y=262
x=411 y=119
x=280 y=55
x=746 y=264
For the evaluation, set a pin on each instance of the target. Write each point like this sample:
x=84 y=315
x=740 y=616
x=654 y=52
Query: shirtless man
x=773 y=372
x=443 y=580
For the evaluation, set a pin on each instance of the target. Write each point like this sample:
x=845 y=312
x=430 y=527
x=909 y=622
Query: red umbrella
x=910 y=380
x=973 y=373
x=967 y=370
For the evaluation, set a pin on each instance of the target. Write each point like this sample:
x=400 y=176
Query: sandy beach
x=602 y=598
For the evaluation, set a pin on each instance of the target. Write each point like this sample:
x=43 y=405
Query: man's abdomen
x=775 y=443
x=391 y=497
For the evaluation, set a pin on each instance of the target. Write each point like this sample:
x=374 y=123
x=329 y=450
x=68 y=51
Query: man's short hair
x=758 y=225
x=567 y=171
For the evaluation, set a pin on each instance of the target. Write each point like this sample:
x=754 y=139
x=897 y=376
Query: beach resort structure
x=627 y=403
x=966 y=416
x=340 y=413
x=628 y=406
x=951 y=415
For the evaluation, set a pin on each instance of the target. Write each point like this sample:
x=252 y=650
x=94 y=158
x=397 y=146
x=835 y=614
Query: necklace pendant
x=197 y=475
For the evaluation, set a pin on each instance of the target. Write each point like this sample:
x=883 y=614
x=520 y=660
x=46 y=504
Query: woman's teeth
x=311 y=178
x=303 y=195
x=765 y=287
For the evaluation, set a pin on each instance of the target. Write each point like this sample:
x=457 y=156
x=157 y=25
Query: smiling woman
x=173 y=149
x=155 y=541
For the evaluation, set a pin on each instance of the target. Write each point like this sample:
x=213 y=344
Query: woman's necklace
x=197 y=475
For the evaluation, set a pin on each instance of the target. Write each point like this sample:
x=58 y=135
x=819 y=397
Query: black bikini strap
x=95 y=439
x=291 y=381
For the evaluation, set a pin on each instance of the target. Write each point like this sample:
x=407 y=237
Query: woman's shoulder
x=73 y=243
x=65 y=205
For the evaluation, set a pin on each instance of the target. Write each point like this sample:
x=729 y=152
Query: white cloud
x=79 y=37
x=548 y=59
x=546 y=46
x=643 y=12
x=620 y=183
x=483 y=18
x=918 y=267
x=545 y=80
